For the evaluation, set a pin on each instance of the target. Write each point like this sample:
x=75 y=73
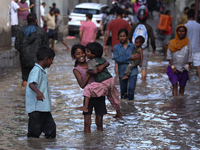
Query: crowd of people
x=129 y=39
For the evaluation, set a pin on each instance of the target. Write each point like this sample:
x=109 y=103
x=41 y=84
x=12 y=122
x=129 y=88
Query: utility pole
x=37 y=10
x=196 y=9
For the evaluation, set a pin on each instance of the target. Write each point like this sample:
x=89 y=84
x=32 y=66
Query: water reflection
x=154 y=120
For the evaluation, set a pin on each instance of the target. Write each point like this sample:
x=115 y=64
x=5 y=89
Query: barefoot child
x=104 y=85
x=179 y=54
x=138 y=43
x=83 y=78
x=59 y=29
x=38 y=101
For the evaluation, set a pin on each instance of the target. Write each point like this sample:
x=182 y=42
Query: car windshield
x=85 y=11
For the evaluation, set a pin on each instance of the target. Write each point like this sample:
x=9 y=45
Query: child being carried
x=138 y=44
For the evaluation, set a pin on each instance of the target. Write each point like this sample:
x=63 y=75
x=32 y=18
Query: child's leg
x=128 y=70
x=87 y=123
x=86 y=103
x=175 y=89
x=35 y=124
x=99 y=122
x=52 y=43
x=181 y=90
x=66 y=45
x=144 y=74
x=49 y=126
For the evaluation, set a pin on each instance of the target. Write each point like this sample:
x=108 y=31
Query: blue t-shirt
x=38 y=76
x=121 y=55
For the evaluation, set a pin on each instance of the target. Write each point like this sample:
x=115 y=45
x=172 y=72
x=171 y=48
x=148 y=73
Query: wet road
x=154 y=120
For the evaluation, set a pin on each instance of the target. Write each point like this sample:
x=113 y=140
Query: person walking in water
x=145 y=30
x=179 y=54
x=193 y=34
x=28 y=40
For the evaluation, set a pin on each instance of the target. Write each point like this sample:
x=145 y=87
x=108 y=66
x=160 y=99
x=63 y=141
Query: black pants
x=41 y=122
x=25 y=72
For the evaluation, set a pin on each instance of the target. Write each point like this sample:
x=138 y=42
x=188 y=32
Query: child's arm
x=141 y=54
x=99 y=68
x=39 y=94
x=82 y=83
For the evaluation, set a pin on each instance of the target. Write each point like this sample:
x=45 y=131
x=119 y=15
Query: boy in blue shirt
x=38 y=101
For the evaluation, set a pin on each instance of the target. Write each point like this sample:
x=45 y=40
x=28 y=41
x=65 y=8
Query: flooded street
x=154 y=120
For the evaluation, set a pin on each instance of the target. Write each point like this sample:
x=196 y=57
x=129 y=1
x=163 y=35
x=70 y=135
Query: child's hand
x=40 y=96
x=100 y=68
x=140 y=64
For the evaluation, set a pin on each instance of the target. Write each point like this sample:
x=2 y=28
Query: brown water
x=154 y=120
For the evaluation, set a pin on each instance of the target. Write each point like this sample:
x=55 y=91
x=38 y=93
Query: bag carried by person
x=165 y=22
x=140 y=31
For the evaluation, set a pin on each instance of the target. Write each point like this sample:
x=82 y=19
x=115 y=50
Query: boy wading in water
x=138 y=43
x=38 y=100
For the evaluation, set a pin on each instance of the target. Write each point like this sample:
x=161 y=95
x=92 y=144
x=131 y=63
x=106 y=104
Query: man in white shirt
x=194 y=37
x=42 y=12
x=14 y=18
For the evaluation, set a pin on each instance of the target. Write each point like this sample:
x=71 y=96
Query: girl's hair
x=74 y=48
x=44 y=52
x=140 y=38
x=123 y=30
x=95 y=48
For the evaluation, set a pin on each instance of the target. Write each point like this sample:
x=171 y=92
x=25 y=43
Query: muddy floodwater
x=154 y=120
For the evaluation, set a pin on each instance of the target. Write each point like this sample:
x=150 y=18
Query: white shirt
x=42 y=12
x=193 y=35
x=14 y=10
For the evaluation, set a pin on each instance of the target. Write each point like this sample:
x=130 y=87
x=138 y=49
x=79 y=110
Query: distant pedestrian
x=179 y=54
x=51 y=25
x=42 y=13
x=184 y=18
x=87 y=31
x=60 y=29
x=136 y=6
x=22 y=15
x=55 y=9
x=38 y=100
x=145 y=30
x=193 y=7
x=28 y=40
x=114 y=26
x=193 y=35
x=14 y=18
x=167 y=35
x=110 y=16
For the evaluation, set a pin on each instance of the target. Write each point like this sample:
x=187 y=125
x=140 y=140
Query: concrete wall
x=5 y=25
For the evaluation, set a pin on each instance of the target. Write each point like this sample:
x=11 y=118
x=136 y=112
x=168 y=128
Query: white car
x=77 y=17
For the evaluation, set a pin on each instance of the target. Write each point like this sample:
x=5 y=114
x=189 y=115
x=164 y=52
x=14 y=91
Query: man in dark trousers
x=28 y=40
x=147 y=32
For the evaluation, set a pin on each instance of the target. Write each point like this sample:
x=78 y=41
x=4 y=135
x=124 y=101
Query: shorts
x=98 y=103
x=145 y=58
x=109 y=41
x=25 y=72
x=196 y=59
x=167 y=38
x=41 y=122
x=180 y=77
x=51 y=34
